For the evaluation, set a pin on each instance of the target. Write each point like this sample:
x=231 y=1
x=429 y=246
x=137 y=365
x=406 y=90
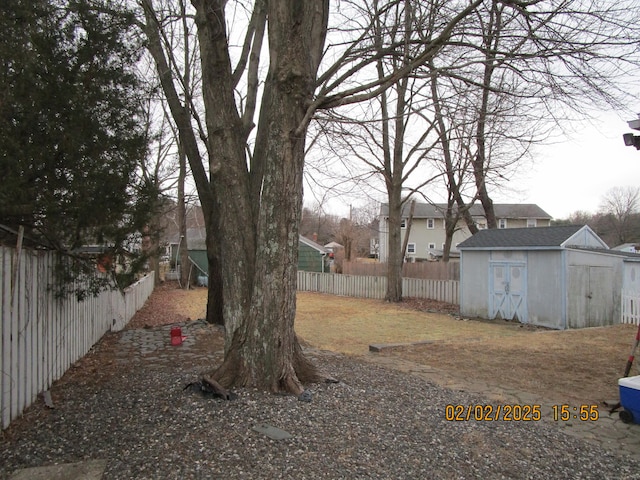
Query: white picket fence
x=630 y=307
x=42 y=335
x=366 y=286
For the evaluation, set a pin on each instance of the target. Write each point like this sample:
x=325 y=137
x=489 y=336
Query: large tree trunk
x=260 y=254
x=480 y=167
x=396 y=255
x=215 y=296
x=227 y=164
x=450 y=223
x=183 y=250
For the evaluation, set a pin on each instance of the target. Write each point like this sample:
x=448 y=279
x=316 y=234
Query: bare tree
x=529 y=69
x=385 y=137
x=500 y=93
x=618 y=208
x=253 y=203
x=259 y=244
x=317 y=224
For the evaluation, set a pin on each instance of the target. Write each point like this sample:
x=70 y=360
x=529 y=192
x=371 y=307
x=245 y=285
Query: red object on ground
x=627 y=369
x=176 y=336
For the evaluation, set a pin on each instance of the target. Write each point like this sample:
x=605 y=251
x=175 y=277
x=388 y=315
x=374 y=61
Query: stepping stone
x=272 y=432
x=89 y=470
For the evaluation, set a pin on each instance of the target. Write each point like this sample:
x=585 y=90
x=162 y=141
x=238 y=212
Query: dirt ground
x=574 y=366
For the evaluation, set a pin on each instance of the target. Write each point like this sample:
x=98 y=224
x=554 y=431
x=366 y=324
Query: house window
x=482 y=226
x=502 y=223
x=531 y=222
x=403 y=223
x=411 y=248
x=432 y=246
x=430 y=223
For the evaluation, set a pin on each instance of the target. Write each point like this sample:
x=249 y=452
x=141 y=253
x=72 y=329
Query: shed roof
x=630 y=256
x=539 y=237
x=502 y=210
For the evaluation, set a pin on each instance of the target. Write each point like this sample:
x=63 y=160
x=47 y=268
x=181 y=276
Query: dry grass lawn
x=575 y=366
x=350 y=325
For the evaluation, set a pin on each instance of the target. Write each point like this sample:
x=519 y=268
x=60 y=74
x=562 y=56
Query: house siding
x=201 y=260
x=309 y=259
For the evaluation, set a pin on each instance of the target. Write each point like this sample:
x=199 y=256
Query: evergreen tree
x=71 y=134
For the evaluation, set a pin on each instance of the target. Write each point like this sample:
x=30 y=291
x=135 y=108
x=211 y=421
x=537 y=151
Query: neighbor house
x=312 y=257
x=427 y=235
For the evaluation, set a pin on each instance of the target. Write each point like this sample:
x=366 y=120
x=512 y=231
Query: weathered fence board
x=369 y=286
x=42 y=335
x=630 y=307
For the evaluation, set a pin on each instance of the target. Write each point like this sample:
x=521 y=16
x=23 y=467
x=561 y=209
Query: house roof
x=627 y=247
x=502 y=210
x=313 y=244
x=196 y=233
x=539 y=237
x=196 y=238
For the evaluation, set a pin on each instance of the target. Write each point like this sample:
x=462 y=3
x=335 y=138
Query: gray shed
x=558 y=277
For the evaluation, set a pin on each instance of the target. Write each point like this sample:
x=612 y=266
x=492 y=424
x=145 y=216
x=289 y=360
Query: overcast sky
x=576 y=173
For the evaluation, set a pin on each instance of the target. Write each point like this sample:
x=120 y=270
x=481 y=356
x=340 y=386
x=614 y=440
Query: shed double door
x=508 y=291
x=591 y=297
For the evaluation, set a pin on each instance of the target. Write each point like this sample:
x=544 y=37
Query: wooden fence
x=426 y=270
x=369 y=286
x=630 y=310
x=42 y=335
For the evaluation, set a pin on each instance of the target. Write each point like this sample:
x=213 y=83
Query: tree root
x=235 y=372
x=209 y=387
x=305 y=370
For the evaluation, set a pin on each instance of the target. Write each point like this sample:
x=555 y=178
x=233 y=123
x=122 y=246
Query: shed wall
x=474 y=284
x=631 y=281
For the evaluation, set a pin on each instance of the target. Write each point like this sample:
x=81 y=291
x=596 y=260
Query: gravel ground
x=131 y=410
